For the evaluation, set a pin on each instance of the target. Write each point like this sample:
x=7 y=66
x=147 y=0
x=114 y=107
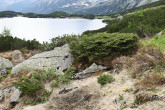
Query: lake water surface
x=43 y=29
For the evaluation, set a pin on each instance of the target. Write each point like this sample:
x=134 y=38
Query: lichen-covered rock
x=14 y=99
x=17 y=57
x=5 y=63
x=5 y=92
x=89 y=71
x=68 y=89
x=59 y=58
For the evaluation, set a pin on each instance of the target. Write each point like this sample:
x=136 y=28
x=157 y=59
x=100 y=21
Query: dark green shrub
x=11 y=43
x=54 y=83
x=28 y=86
x=144 y=22
x=7 y=42
x=34 y=87
x=89 y=16
x=163 y=32
x=105 y=78
x=65 y=78
x=101 y=45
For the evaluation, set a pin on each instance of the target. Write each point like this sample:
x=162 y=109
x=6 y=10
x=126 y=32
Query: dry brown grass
x=152 y=81
x=7 y=55
x=120 y=63
x=7 y=82
x=98 y=73
x=146 y=58
x=77 y=100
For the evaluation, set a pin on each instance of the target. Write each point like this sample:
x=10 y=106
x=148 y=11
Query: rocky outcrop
x=14 y=99
x=89 y=71
x=59 y=58
x=4 y=65
x=17 y=57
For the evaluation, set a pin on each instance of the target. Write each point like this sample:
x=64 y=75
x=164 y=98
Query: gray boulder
x=14 y=99
x=89 y=71
x=17 y=57
x=5 y=63
x=5 y=92
x=59 y=58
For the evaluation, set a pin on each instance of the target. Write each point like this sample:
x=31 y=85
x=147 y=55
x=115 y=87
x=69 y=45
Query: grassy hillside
x=146 y=22
x=150 y=5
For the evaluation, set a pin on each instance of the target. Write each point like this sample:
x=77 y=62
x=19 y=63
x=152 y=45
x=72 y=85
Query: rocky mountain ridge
x=72 y=6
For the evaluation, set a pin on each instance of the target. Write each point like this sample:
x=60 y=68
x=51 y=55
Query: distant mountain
x=114 y=6
x=71 y=6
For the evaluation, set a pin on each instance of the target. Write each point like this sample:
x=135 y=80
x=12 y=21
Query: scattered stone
x=59 y=58
x=5 y=63
x=68 y=89
x=136 y=91
x=121 y=103
x=3 y=72
x=17 y=57
x=14 y=99
x=143 y=98
x=115 y=71
x=5 y=92
x=86 y=97
x=89 y=71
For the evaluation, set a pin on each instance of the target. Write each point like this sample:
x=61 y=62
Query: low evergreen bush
x=28 y=86
x=65 y=78
x=105 y=78
x=34 y=87
x=101 y=45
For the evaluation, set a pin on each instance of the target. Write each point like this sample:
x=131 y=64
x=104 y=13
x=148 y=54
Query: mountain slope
x=115 y=6
x=72 y=6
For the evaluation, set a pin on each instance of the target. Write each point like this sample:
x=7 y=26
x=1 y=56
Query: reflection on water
x=44 y=29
